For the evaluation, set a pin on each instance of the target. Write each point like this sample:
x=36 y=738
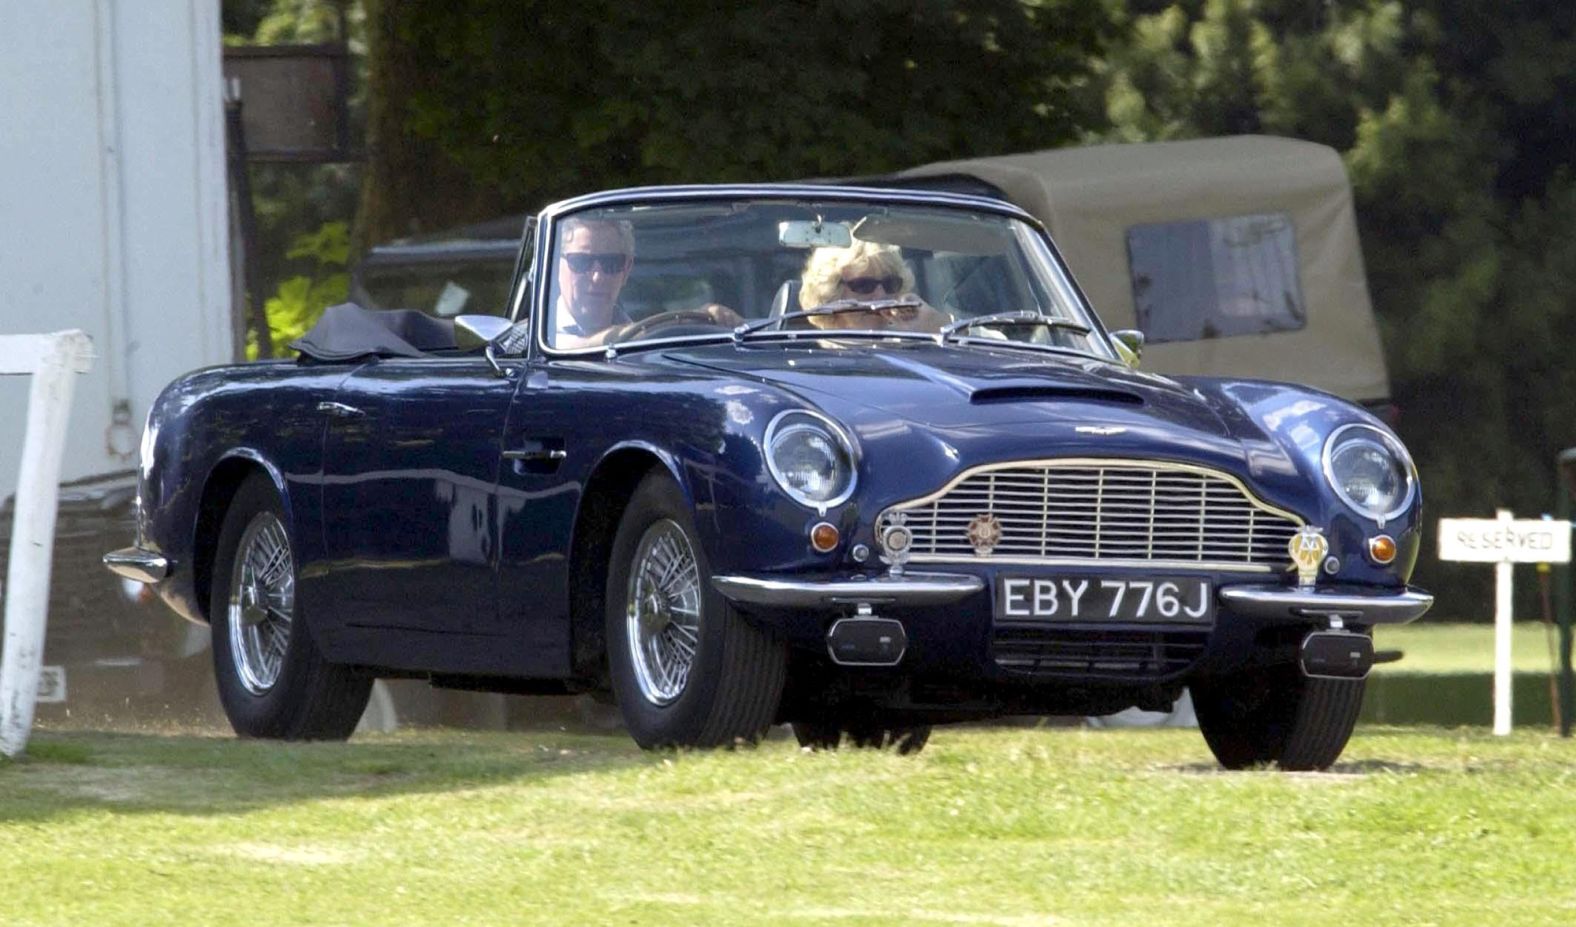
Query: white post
x=52 y=360
x=1502 y=618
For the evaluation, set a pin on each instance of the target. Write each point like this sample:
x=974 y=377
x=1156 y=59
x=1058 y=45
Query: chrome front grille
x=1111 y=511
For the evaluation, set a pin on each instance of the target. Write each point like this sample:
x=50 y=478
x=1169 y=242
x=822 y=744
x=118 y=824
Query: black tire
x=1277 y=715
x=828 y=735
x=303 y=696
x=734 y=674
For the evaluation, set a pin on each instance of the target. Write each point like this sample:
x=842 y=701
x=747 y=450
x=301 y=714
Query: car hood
x=951 y=386
x=987 y=403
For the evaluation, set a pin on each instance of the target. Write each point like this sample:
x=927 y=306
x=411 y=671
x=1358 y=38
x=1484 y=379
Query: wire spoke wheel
x=686 y=668
x=261 y=606
x=664 y=615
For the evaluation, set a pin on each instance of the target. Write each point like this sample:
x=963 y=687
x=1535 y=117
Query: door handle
x=536 y=453
x=339 y=409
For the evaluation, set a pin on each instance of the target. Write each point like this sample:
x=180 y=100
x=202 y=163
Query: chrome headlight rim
x=813 y=421
x=1389 y=442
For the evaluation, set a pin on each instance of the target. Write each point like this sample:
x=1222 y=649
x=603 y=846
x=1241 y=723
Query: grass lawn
x=1004 y=826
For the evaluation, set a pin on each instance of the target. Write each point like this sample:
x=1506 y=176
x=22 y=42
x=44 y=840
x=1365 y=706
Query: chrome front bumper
x=1263 y=602
x=135 y=563
x=905 y=590
x=1291 y=603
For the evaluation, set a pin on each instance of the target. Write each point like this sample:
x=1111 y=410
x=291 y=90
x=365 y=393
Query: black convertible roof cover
x=348 y=331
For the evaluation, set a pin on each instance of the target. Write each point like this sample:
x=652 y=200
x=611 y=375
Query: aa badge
x=1308 y=548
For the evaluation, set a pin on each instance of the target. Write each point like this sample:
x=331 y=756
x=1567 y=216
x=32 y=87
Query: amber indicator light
x=1381 y=548
x=823 y=537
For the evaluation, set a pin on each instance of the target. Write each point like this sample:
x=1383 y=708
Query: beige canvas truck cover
x=1263 y=224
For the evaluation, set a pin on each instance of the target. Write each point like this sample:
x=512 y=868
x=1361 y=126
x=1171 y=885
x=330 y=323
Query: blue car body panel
x=434 y=501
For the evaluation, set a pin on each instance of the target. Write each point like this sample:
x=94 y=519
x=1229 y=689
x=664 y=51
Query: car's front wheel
x=272 y=679
x=1277 y=715
x=687 y=669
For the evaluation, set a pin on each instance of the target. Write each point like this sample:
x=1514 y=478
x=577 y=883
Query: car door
x=411 y=462
x=547 y=456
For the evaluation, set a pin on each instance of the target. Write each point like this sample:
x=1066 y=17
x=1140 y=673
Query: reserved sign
x=1500 y=540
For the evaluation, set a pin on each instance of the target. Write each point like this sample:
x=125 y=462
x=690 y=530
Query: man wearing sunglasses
x=594 y=259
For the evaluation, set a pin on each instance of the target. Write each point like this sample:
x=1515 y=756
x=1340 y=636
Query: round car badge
x=984 y=533
x=1308 y=548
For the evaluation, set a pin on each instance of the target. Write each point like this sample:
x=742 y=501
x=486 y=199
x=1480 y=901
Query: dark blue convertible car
x=860 y=461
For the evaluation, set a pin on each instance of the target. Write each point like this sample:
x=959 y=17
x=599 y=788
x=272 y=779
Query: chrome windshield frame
x=534 y=289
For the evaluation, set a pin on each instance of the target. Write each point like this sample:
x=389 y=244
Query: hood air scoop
x=1042 y=392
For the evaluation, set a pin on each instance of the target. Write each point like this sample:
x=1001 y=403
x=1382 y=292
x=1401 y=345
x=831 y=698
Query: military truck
x=1234 y=256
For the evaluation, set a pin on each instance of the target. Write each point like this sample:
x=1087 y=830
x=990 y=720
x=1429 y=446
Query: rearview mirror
x=802 y=233
x=1129 y=344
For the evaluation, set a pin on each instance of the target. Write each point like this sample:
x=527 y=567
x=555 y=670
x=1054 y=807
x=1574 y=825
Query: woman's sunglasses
x=867 y=285
x=611 y=263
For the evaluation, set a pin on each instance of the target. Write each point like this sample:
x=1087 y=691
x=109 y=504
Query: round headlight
x=1369 y=470
x=810 y=459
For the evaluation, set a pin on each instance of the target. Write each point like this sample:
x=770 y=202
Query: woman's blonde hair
x=823 y=272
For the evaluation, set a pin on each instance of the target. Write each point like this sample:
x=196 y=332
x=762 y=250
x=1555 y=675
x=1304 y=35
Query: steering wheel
x=636 y=330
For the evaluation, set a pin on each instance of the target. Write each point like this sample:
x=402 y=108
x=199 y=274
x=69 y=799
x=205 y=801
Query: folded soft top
x=348 y=331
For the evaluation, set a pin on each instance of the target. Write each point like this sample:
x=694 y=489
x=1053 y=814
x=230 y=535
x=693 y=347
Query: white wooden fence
x=52 y=361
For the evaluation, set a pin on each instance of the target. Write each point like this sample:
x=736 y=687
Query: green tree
x=301 y=299
x=489 y=105
x=297 y=205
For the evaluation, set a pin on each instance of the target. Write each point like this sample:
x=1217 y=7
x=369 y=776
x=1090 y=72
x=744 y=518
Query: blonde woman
x=865 y=271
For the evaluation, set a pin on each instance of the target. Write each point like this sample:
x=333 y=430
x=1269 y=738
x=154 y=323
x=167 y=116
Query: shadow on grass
x=67 y=772
x=1353 y=768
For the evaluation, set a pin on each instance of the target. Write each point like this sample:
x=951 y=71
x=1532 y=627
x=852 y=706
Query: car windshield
x=662 y=271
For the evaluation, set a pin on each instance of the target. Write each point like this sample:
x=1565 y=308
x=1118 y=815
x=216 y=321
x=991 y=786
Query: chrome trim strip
x=1290 y=603
x=136 y=563
x=907 y=589
x=788 y=191
x=1209 y=565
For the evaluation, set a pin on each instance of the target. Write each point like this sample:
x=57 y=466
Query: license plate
x=1161 y=600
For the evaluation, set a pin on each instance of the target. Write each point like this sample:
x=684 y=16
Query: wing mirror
x=482 y=331
x=1129 y=344
x=473 y=331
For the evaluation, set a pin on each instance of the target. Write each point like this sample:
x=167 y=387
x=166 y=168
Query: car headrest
x=787 y=298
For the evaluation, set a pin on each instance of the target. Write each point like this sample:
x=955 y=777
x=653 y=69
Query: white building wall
x=113 y=212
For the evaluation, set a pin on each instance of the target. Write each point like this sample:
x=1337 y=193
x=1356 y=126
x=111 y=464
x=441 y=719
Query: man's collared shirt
x=568 y=325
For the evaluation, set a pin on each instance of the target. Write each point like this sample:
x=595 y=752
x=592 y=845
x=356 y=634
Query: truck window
x=1216 y=278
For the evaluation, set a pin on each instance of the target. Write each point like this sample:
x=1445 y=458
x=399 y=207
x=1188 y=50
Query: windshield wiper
x=1021 y=317
x=836 y=307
